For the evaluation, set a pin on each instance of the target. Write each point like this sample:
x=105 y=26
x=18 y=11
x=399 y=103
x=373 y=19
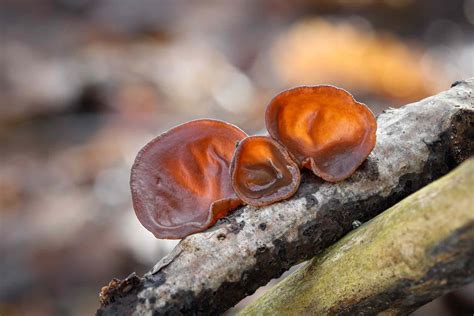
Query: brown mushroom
x=180 y=180
x=263 y=172
x=324 y=128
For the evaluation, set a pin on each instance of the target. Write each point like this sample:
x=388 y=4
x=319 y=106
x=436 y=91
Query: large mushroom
x=180 y=180
x=324 y=128
x=263 y=172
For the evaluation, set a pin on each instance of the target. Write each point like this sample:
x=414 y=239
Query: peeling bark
x=421 y=248
x=209 y=272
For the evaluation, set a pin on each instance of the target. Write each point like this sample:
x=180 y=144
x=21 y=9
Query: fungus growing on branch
x=263 y=172
x=324 y=128
x=180 y=180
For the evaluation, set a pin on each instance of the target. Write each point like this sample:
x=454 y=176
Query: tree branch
x=419 y=249
x=211 y=271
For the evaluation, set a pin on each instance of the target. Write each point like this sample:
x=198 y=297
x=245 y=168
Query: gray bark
x=209 y=272
x=395 y=263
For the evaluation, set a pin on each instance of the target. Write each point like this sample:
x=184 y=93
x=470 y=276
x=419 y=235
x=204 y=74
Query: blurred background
x=84 y=84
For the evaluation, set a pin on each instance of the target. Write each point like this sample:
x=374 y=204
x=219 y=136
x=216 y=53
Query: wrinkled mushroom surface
x=180 y=180
x=324 y=128
x=263 y=172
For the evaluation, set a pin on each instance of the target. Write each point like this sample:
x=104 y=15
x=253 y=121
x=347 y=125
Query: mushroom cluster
x=187 y=178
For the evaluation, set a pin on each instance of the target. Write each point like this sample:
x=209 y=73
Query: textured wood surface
x=209 y=272
x=421 y=248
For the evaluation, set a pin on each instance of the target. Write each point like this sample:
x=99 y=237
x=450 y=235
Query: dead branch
x=209 y=272
x=421 y=248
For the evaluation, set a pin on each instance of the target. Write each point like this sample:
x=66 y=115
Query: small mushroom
x=263 y=172
x=324 y=128
x=180 y=180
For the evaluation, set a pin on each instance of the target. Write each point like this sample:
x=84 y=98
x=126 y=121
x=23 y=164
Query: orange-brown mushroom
x=180 y=180
x=324 y=128
x=263 y=172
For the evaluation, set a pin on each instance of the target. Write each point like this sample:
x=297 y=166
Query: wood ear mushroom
x=180 y=180
x=263 y=172
x=186 y=179
x=324 y=128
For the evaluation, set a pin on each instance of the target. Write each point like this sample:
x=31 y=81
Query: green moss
x=393 y=246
